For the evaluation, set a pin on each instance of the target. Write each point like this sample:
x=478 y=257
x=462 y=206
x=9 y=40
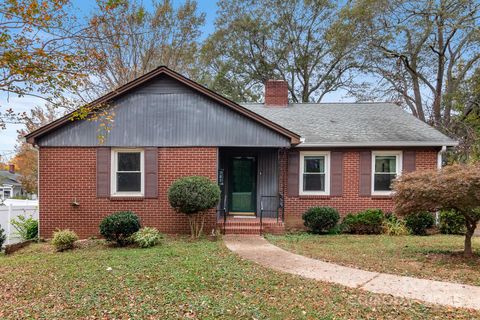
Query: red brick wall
x=350 y=201
x=70 y=173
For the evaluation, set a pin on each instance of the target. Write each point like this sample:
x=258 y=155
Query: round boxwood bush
x=118 y=227
x=320 y=219
x=419 y=222
x=452 y=222
x=193 y=196
x=64 y=239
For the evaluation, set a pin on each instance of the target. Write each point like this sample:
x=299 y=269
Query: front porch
x=251 y=200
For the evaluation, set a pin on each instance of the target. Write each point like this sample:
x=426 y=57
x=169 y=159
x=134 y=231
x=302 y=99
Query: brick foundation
x=350 y=201
x=70 y=173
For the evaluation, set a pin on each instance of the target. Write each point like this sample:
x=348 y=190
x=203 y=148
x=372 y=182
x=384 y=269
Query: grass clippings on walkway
x=180 y=279
x=436 y=257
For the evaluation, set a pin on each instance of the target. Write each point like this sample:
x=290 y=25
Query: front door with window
x=242 y=186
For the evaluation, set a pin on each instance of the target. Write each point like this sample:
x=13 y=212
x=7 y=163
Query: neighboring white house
x=10 y=185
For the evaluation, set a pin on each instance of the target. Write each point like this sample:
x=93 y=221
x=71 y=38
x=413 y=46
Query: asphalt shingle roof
x=6 y=177
x=353 y=124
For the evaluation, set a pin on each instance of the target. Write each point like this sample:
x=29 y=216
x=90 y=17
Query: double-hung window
x=314 y=173
x=386 y=166
x=127 y=172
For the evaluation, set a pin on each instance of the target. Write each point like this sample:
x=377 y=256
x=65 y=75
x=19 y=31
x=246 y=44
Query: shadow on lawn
x=449 y=257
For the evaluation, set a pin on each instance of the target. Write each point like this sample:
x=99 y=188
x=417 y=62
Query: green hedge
x=364 y=222
x=452 y=223
x=419 y=222
x=118 y=227
x=320 y=219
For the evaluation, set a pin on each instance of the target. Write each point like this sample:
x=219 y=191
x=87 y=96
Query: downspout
x=36 y=147
x=439 y=166
x=282 y=177
x=440 y=156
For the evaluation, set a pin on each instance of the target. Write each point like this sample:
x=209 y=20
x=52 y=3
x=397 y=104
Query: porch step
x=250 y=226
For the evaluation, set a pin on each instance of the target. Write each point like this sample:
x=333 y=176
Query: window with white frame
x=127 y=172
x=314 y=173
x=386 y=166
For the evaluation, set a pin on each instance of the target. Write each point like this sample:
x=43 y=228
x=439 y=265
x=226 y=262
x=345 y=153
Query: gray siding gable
x=167 y=113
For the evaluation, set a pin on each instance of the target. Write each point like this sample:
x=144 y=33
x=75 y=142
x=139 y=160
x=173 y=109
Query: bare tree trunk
x=202 y=222
x=468 y=243
x=471 y=226
x=196 y=221
x=191 y=222
x=437 y=101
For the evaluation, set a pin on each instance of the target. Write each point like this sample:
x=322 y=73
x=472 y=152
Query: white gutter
x=379 y=144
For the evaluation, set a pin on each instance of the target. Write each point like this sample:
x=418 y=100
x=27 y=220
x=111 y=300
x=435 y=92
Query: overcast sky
x=84 y=7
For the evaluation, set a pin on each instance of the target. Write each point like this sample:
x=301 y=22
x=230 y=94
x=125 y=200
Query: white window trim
x=326 y=154
x=398 y=168
x=113 y=174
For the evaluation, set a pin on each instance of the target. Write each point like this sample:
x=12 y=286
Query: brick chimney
x=11 y=168
x=276 y=93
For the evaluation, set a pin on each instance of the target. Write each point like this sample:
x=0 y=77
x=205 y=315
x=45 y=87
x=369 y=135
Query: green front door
x=242 y=180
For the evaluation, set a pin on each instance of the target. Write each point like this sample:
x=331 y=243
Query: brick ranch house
x=272 y=160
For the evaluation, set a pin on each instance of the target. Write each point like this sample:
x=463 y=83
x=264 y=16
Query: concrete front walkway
x=259 y=250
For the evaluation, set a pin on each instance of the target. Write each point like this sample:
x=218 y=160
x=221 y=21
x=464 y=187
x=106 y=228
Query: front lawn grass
x=437 y=257
x=180 y=279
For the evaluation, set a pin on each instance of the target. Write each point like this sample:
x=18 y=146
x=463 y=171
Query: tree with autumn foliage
x=25 y=162
x=39 y=54
x=454 y=187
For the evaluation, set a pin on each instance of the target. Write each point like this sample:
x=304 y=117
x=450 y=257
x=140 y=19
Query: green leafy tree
x=455 y=188
x=291 y=40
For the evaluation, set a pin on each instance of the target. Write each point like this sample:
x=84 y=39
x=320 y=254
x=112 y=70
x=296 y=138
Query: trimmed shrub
x=320 y=219
x=365 y=222
x=418 y=223
x=64 y=239
x=452 y=223
x=193 y=196
x=26 y=227
x=147 y=237
x=118 y=227
x=3 y=237
x=394 y=226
